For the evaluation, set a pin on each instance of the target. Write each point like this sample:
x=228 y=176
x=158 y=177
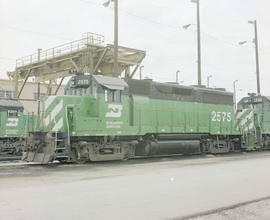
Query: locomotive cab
x=253 y=116
x=254 y=102
x=91 y=85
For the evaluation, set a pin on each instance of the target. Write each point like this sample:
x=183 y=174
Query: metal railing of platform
x=74 y=46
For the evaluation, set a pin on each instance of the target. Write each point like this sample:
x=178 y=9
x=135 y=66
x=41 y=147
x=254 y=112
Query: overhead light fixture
x=106 y=4
x=242 y=42
x=186 y=26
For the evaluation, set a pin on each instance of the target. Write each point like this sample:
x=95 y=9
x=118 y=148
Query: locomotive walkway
x=163 y=188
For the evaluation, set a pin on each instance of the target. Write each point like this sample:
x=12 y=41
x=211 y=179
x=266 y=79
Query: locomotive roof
x=10 y=105
x=111 y=82
x=156 y=90
x=256 y=99
x=178 y=92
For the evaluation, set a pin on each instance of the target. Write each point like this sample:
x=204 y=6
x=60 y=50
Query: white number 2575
x=221 y=116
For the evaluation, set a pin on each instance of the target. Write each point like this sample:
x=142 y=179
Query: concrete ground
x=254 y=211
x=162 y=188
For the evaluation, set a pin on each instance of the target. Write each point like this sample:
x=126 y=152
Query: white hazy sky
x=153 y=26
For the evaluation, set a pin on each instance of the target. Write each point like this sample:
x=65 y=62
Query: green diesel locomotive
x=253 y=122
x=106 y=118
x=15 y=126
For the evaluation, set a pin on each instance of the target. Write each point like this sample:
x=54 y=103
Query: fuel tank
x=166 y=147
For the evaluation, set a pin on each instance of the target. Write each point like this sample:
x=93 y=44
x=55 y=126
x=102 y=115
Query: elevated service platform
x=87 y=55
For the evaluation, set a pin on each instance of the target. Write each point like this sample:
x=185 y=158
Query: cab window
x=94 y=90
x=12 y=113
x=112 y=95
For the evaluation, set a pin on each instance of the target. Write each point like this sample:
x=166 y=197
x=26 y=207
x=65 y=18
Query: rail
x=74 y=46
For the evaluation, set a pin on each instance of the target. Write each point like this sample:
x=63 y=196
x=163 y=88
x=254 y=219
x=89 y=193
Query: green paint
x=19 y=126
x=137 y=115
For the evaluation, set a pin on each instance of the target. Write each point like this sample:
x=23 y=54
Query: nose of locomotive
x=40 y=147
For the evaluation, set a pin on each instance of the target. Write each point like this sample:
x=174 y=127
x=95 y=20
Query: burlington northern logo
x=115 y=111
x=12 y=122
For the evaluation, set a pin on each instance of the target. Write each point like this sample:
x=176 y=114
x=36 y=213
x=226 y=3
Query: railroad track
x=9 y=158
x=4 y=160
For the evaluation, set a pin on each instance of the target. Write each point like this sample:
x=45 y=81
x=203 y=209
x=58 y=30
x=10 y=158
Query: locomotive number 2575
x=221 y=116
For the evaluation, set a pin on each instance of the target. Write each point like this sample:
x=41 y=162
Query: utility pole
x=257 y=57
x=115 y=64
x=198 y=41
x=234 y=94
x=115 y=53
x=255 y=41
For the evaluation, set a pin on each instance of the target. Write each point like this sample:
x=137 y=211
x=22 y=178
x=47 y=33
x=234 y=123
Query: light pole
x=234 y=94
x=255 y=41
x=257 y=56
x=115 y=55
x=198 y=40
x=177 y=76
x=141 y=72
x=208 y=80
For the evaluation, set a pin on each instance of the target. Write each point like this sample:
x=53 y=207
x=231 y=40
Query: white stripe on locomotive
x=53 y=113
x=240 y=114
x=58 y=125
x=49 y=101
x=246 y=119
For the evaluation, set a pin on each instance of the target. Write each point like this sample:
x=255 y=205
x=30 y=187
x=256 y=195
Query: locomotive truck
x=106 y=118
x=14 y=127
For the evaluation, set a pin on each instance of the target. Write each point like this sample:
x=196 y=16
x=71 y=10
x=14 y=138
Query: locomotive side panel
x=14 y=126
